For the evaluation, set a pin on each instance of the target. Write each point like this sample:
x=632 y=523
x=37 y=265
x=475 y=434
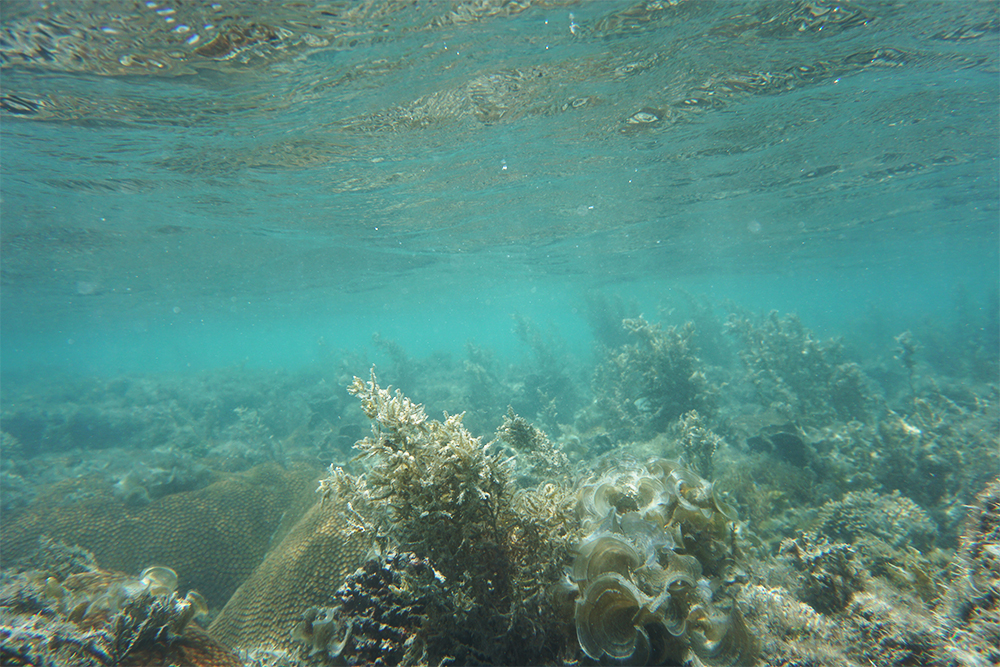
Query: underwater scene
x=499 y=332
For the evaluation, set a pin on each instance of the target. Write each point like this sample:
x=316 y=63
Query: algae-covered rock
x=97 y=618
x=829 y=572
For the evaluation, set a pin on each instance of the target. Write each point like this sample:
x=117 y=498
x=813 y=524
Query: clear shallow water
x=298 y=173
x=214 y=215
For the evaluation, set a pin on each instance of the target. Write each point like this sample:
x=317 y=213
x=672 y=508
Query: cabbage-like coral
x=652 y=572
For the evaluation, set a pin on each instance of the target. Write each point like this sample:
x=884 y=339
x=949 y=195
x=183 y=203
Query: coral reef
x=640 y=388
x=239 y=412
x=216 y=535
x=653 y=571
x=926 y=454
x=437 y=544
x=884 y=628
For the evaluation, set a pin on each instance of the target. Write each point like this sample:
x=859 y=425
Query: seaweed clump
x=699 y=444
x=430 y=487
x=642 y=387
x=541 y=459
x=799 y=375
x=653 y=571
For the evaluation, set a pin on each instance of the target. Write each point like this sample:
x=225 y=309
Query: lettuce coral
x=652 y=573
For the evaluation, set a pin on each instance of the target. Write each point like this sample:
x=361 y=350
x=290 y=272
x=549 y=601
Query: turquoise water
x=408 y=171
x=752 y=244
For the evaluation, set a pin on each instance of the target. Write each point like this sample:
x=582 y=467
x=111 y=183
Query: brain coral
x=303 y=571
x=214 y=536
